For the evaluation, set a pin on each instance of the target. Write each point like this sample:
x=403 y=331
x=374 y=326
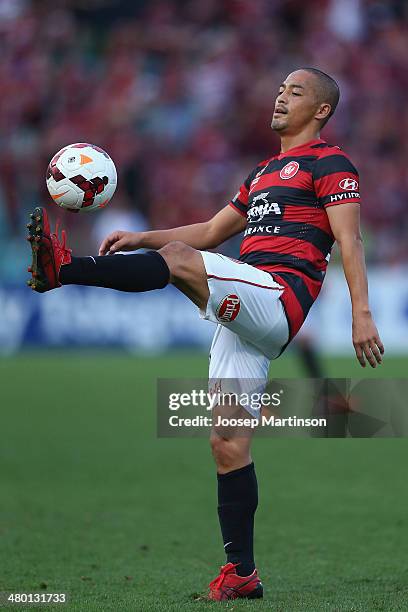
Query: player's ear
x=323 y=111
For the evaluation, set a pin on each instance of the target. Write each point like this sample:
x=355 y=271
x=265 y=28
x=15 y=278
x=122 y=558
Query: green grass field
x=93 y=504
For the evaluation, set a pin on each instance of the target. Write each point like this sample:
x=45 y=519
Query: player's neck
x=290 y=141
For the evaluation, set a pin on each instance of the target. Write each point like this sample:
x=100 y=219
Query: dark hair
x=327 y=90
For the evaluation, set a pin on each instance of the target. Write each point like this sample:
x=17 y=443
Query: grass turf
x=93 y=504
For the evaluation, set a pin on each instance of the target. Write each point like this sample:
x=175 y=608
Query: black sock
x=140 y=272
x=237 y=502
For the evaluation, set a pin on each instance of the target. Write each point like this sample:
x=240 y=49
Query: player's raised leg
x=53 y=265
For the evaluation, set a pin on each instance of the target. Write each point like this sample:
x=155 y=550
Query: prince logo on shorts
x=228 y=308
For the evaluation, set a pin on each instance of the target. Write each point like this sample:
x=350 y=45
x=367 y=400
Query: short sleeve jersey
x=288 y=234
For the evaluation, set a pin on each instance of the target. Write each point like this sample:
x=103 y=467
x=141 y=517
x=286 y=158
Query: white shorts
x=252 y=325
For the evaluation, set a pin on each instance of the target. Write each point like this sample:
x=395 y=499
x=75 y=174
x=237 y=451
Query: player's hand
x=121 y=241
x=366 y=340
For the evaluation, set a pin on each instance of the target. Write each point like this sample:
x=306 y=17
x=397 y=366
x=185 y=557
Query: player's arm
x=208 y=235
x=345 y=224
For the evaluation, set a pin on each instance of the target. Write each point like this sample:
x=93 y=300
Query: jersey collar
x=305 y=145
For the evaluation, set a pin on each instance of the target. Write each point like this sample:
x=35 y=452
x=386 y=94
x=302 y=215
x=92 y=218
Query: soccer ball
x=81 y=177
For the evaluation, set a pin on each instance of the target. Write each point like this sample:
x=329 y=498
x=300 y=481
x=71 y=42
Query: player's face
x=296 y=104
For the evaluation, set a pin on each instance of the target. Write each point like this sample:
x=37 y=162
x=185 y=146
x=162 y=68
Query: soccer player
x=291 y=208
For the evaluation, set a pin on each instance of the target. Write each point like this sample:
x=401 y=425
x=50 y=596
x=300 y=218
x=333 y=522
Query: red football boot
x=49 y=253
x=228 y=585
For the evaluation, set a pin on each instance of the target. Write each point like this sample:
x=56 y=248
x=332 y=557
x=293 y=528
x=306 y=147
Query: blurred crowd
x=180 y=93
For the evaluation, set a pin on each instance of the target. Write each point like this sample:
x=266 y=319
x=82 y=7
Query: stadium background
x=180 y=94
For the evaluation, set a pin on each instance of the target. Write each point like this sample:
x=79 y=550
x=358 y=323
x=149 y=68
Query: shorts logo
x=348 y=184
x=289 y=170
x=228 y=308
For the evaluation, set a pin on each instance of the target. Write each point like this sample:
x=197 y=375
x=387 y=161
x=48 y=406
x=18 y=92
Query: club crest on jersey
x=289 y=170
x=228 y=308
x=348 y=184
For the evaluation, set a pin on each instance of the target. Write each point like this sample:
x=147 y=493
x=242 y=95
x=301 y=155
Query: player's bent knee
x=177 y=255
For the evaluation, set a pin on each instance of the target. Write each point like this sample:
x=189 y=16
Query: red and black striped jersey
x=288 y=231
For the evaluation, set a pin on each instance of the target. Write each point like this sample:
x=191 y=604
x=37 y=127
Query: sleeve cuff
x=235 y=207
x=339 y=203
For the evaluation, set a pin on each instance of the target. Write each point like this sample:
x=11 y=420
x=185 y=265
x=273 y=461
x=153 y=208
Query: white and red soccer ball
x=81 y=177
